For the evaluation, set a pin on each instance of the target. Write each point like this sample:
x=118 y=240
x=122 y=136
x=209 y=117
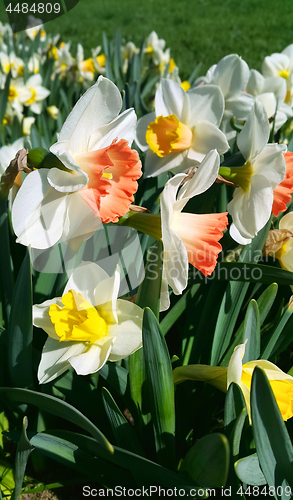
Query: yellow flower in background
x=53 y=112
x=221 y=377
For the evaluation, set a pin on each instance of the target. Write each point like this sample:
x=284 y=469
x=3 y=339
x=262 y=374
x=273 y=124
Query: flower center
x=88 y=65
x=168 y=135
x=12 y=94
x=78 y=320
x=101 y=60
x=239 y=175
x=284 y=74
x=33 y=97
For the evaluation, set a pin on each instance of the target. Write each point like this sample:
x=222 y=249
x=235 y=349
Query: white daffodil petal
x=93 y=359
x=206 y=103
x=176 y=264
x=255 y=83
x=272 y=371
x=234 y=233
x=67 y=182
x=41 y=317
x=234 y=370
x=274 y=64
x=231 y=74
x=255 y=133
x=154 y=165
x=172 y=99
x=38 y=212
x=206 y=137
x=84 y=120
x=269 y=102
x=105 y=297
x=203 y=178
x=164 y=297
x=84 y=280
x=55 y=358
x=141 y=129
x=167 y=201
x=128 y=330
x=122 y=127
x=286 y=222
x=251 y=210
x=271 y=163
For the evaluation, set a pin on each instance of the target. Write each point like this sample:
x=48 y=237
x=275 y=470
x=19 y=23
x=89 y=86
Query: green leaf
x=116 y=376
x=160 y=387
x=67 y=445
x=24 y=449
x=234 y=404
x=272 y=345
x=122 y=430
x=234 y=297
x=248 y=470
x=272 y=441
x=57 y=407
x=149 y=291
x=252 y=332
x=175 y=312
x=6 y=268
x=20 y=329
x=207 y=462
x=264 y=302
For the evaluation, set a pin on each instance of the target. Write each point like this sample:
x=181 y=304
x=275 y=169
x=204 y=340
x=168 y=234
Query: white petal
x=41 y=93
x=240 y=106
x=271 y=163
x=105 y=297
x=171 y=99
x=274 y=64
x=255 y=83
x=128 y=330
x=206 y=103
x=66 y=182
x=41 y=317
x=122 y=127
x=93 y=359
x=38 y=212
x=255 y=133
x=251 y=210
x=231 y=74
x=84 y=119
x=234 y=370
x=84 y=280
x=206 y=137
x=203 y=178
x=154 y=165
x=55 y=358
x=176 y=264
x=164 y=297
x=167 y=201
x=141 y=129
x=286 y=222
x=269 y=102
x=234 y=233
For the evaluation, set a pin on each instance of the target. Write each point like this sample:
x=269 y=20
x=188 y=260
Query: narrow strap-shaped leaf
x=272 y=441
x=57 y=407
x=122 y=430
x=175 y=312
x=272 y=345
x=23 y=451
x=234 y=404
x=20 y=329
x=160 y=388
x=6 y=269
x=252 y=332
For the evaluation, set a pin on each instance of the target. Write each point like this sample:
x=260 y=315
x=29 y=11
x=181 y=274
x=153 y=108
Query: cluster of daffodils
x=227 y=128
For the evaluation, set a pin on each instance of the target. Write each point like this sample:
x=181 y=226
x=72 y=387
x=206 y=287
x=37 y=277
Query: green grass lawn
x=195 y=30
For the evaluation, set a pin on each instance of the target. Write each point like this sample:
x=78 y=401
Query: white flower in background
x=85 y=68
x=34 y=63
x=53 y=112
x=128 y=52
x=182 y=129
x=9 y=62
x=96 y=181
x=281 y=64
x=63 y=59
x=99 y=60
x=37 y=26
x=231 y=74
x=154 y=48
x=88 y=325
x=27 y=123
x=18 y=95
x=189 y=238
x=38 y=93
x=271 y=92
x=263 y=170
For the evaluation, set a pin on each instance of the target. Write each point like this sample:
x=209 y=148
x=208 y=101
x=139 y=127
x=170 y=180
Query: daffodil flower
x=182 y=129
x=221 y=377
x=282 y=193
x=231 y=74
x=285 y=253
x=88 y=325
x=189 y=238
x=38 y=93
x=271 y=92
x=99 y=178
x=263 y=170
x=281 y=64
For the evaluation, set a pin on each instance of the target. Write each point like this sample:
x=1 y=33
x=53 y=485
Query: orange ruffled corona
x=282 y=193
x=200 y=234
x=113 y=172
